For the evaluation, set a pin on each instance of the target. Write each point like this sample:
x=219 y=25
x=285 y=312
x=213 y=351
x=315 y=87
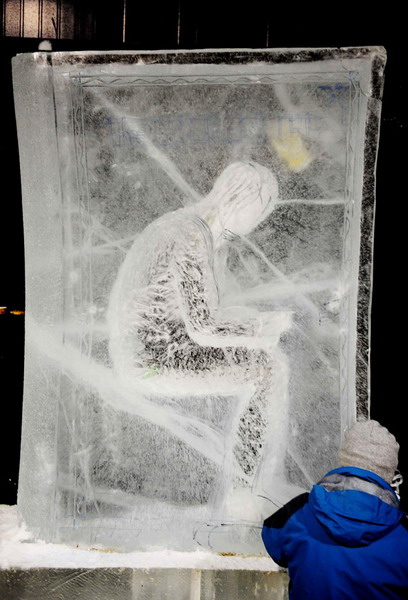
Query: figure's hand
x=272 y=325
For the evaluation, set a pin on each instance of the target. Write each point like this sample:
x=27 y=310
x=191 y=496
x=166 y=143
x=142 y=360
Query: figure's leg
x=260 y=440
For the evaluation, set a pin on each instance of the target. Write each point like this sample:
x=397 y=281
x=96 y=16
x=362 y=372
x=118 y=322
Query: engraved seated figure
x=166 y=322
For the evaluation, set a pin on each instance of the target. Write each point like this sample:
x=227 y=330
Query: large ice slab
x=198 y=232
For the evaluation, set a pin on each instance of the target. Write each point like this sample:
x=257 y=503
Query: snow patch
x=18 y=549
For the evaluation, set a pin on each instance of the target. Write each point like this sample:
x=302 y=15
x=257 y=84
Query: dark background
x=182 y=24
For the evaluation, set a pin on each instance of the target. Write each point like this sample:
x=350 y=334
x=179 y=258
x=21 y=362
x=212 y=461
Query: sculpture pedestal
x=31 y=569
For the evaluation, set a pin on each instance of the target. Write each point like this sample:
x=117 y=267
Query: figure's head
x=243 y=195
x=368 y=445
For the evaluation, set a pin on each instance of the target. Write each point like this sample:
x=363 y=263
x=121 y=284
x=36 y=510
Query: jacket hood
x=355 y=506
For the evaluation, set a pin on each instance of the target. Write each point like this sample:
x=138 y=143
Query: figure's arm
x=199 y=302
x=198 y=295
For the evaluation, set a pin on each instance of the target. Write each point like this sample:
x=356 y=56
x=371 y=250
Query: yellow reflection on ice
x=289 y=145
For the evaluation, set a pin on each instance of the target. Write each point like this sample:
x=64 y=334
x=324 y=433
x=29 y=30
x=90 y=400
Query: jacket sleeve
x=273 y=531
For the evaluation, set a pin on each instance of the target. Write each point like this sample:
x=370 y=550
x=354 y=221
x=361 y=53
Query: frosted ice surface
x=194 y=265
x=140 y=584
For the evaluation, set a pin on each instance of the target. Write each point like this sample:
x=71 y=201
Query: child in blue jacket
x=348 y=538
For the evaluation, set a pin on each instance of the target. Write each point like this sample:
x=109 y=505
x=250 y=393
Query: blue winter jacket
x=347 y=539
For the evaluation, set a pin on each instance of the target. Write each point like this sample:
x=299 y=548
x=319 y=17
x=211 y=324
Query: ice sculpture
x=198 y=240
x=166 y=323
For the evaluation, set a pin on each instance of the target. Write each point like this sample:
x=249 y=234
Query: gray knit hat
x=370 y=446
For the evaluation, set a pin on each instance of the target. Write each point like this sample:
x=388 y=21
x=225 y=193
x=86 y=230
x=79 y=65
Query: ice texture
x=198 y=231
x=141 y=584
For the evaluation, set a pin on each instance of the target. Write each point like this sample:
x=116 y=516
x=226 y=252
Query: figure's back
x=146 y=321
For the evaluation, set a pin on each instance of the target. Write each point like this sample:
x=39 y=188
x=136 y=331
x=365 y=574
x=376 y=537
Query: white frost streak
x=196 y=434
x=131 y=125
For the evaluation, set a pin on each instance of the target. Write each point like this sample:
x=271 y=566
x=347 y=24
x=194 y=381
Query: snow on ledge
x=19 y=550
